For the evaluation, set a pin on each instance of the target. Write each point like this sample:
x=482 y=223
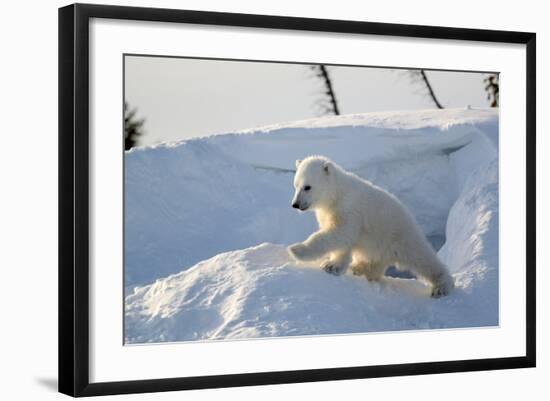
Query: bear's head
x=313 y=183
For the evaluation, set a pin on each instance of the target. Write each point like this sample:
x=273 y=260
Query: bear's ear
x=327 y=166
x=298 y=163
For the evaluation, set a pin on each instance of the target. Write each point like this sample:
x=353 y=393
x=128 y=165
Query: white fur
x=362 y=226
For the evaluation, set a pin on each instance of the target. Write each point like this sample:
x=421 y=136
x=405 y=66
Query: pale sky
x=183 y=98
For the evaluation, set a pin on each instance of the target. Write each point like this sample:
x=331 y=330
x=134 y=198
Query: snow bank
x=259 y=292
x=224 y=195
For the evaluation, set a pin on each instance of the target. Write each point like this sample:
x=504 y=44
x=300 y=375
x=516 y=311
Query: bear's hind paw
x=443 y=288
x=438 y=292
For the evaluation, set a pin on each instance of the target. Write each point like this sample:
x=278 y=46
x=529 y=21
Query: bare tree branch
x=322 y=73
x=430 y=89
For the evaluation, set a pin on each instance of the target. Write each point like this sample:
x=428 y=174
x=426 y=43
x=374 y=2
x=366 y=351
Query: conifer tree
x=133 y=128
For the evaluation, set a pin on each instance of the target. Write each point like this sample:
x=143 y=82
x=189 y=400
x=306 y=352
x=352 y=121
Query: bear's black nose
x=295 y=205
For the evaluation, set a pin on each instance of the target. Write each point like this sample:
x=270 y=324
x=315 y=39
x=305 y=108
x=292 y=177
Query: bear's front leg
x=321 y=243
x=299 y=251
x=338 y=263
x=324 y=242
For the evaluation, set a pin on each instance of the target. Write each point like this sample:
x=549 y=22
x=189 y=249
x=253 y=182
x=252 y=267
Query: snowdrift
x=207 y=221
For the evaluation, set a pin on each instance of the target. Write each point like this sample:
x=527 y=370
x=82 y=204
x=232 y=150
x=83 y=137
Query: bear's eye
x=307 y=188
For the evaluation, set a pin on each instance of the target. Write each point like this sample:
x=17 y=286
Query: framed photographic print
x=251 y=199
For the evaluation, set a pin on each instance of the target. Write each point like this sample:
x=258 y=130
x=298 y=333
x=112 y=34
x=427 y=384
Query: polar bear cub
x=361 y=226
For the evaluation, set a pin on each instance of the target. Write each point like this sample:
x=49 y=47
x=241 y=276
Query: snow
x=207 y=221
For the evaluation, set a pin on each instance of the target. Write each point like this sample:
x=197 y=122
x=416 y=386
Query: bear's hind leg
x=435 y=275
x=338 y=262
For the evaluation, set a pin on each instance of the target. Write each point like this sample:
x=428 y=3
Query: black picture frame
x=74 y=198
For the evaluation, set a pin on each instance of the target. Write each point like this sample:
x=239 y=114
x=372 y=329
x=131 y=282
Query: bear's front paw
x=332 y=268
x=298 y=251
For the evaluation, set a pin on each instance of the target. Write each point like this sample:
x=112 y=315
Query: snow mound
x=223 y=195
x=259 y=292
